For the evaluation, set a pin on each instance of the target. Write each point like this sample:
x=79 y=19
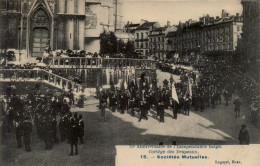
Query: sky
x=176 y=10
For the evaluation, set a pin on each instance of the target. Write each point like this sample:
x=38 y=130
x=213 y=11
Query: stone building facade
x=28 y=26
x=141 y=42
x=207 y=35
x=158 y=42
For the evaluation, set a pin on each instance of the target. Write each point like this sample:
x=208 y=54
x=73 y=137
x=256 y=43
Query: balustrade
x=85 y=62
x=40 y=75
x=20 y=74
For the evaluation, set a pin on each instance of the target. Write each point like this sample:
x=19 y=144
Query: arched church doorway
x=40 y=32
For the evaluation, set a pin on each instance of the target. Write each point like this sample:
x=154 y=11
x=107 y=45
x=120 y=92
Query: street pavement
x=213 y=126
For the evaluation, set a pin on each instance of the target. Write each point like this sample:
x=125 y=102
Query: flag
x=189 y=87
x=125 y=84
x=119 y=83
x=174 y=94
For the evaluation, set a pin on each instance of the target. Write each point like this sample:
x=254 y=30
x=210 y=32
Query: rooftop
x=132 y=25
x=171 y=34
x=145 y=26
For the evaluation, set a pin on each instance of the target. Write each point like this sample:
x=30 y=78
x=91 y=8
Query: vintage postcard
x=130 y=82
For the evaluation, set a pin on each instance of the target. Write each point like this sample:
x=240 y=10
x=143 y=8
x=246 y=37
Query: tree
x=108 y=43
x=130 y=50
x=121 y=47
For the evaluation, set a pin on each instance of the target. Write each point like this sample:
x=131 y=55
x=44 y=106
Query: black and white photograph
x=80 y=77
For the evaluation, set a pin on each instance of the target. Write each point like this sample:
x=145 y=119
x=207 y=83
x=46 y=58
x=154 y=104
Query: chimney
x=180 y=23
x=168 y=24
x=190 y=21
x=223 y=14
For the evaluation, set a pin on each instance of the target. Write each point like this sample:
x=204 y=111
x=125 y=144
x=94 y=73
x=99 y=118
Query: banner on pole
x=174 y=94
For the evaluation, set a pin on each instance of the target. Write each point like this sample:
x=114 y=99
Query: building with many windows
x=158 y=43
x=28 y=26
x=141 y=42
x=221 y=33
x=207 y=35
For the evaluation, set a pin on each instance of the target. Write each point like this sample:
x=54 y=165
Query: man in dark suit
x=73 y=135
x=143 y=111
x=71 y=97
x=226 y=97
x=62 y=128
x=112 y=102
x=175 y=108
x=81 y=129
x=244 y=138
x=19 y=133
x=237 y=104
x=65 y=106
x=131 y=106
x=161 y=110
x=54 y=130
x=76 y=117
x=27 y=130
x=48 y=133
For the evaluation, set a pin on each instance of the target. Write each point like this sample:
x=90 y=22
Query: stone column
x=72 y=86
x=80 y=62
x=108 y=76
x=49 y=77
x=58 y=62
x=67 y=85
x=55 y=80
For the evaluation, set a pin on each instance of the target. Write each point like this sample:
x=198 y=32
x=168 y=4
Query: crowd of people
x=136 y=98
x=216 y=81
x=248 y=88
x=219 y=78
x=143 y=97
x=42 y=111
x=214 y=84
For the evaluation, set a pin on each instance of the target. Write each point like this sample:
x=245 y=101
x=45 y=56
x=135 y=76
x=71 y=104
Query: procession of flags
x=125 y=82
x=189 y=90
